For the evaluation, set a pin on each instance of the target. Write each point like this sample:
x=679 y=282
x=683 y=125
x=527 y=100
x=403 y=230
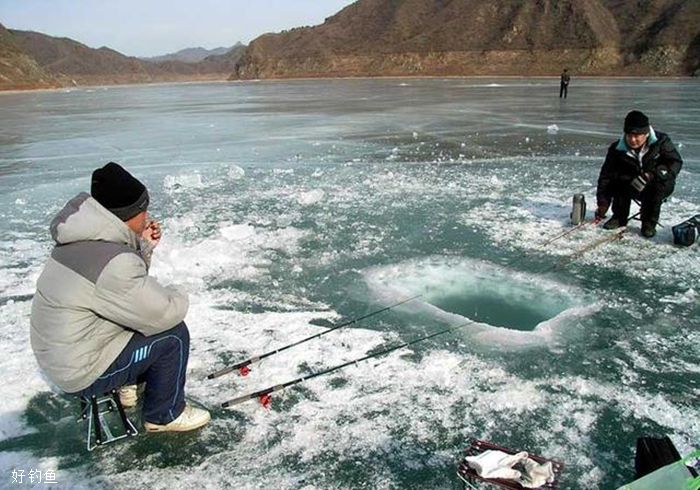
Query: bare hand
x=152 y=233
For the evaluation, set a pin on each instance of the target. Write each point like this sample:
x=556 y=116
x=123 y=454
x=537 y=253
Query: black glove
x=662 y=173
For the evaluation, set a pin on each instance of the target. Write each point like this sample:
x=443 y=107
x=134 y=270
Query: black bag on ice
x=686 y=233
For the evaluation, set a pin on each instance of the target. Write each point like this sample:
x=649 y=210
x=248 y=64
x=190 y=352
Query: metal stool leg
x=128 y=426
x=95 y=419
x=94 y=409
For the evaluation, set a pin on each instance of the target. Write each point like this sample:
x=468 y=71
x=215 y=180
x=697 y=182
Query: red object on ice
x=265 y=401
x=244 y=371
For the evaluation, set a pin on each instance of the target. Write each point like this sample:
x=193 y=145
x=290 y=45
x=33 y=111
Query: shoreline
x=107 y=85
x=389 y=77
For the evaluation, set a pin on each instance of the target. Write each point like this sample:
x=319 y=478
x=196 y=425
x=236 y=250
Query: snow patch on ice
x=236 y=232
x=688 y=297
x=237 y=251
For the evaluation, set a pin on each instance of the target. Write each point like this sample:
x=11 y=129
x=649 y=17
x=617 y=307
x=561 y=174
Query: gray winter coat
x=93 y=293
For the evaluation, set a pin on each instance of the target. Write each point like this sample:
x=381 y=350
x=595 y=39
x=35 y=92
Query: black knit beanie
x=119 y=191
x=636 y=122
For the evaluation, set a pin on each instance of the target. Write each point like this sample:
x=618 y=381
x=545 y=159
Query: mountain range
x=191 y=55
x=498 y=37
x=400 y=38
x=34 y=60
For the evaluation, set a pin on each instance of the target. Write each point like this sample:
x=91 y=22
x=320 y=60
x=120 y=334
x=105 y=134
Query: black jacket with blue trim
x=662 y=161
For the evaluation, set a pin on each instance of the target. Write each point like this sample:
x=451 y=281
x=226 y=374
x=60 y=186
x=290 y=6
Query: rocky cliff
x=18 y=70
x=499 y=37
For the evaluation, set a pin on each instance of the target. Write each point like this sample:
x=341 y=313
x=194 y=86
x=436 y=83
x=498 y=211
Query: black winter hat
x=636 y=122
x=119 y=191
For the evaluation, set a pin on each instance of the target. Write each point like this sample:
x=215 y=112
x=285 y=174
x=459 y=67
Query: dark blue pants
x=161 y=362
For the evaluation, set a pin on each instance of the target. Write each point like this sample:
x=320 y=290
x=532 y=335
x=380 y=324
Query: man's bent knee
x=180 y=330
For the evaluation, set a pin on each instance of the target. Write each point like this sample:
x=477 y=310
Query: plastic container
x=675 y=476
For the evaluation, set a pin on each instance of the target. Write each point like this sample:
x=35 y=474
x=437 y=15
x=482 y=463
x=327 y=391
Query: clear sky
x=155 y=27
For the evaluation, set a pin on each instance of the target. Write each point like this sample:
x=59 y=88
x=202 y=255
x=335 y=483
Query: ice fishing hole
x=480 y=291
x=498 y=302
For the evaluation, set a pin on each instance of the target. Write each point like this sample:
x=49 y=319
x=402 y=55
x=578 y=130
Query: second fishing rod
x=264 y=394
x=242 y=366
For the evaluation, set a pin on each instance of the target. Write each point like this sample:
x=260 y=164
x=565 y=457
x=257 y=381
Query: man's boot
x=613 y=223
x=648 y=229
x=191 y=418
x=128 y=396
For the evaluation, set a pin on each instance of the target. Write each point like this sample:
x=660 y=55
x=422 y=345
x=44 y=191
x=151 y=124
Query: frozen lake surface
x=287 y=202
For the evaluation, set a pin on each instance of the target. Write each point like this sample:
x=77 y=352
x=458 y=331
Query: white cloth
x=496 y=464
x=536 y=474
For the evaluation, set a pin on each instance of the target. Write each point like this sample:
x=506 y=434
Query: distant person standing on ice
x=564 y=84
x=643 y=164
x=99 y=321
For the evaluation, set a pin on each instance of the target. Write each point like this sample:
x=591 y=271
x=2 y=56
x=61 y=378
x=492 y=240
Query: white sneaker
x=191 y=418
x=128 y=396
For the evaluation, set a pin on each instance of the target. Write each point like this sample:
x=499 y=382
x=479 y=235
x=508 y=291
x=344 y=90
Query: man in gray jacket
x=98 y=320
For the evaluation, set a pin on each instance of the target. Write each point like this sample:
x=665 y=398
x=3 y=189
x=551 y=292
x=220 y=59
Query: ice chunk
x=311 y=197
x=235 y=172
x=187 y=181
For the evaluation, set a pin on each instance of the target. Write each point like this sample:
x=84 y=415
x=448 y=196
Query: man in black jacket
x=641 y=165
x=564 y=83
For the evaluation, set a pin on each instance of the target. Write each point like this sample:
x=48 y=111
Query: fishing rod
x=607 y=239
x=266 y=399
x=578 y=218
x=617 y=235
x=243 y=368
x=594 y=221
x=579 y=253
x=519 y=259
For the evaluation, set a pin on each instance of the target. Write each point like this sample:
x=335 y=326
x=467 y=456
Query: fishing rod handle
x=251 y=396
x=220 y=372
x=233 y=368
